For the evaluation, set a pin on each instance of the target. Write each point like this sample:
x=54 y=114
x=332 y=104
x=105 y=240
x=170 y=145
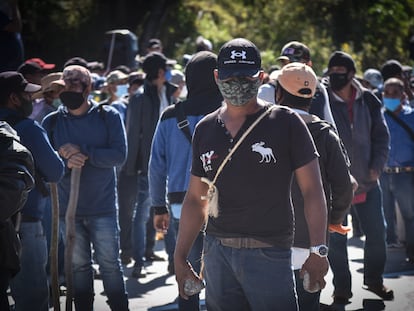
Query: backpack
x=16 y=172
x=16 y=180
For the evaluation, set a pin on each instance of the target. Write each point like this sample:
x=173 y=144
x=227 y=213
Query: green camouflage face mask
x=239 y=91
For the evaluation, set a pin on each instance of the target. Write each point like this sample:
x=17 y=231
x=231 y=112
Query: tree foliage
x=370 y=30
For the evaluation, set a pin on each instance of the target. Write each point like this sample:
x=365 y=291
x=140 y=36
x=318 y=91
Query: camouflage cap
x=78 y=73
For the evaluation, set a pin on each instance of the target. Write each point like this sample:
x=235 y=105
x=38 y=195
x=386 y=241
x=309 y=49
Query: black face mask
x=338 y=80
x=26 y=106
x=72 y=100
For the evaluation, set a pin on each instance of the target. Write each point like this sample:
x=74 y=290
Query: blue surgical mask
x=121 y=90
x=391 y=103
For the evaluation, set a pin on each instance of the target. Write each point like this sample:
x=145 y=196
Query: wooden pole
x=70 y=234
x=54 y=242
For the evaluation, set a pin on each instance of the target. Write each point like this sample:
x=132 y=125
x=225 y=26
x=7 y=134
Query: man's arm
x=157 y=177
x=193 y=216
x=309 y=181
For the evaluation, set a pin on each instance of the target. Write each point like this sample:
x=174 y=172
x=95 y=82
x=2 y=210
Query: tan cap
x=298 y=79
x=49 y=83
x=116 y=76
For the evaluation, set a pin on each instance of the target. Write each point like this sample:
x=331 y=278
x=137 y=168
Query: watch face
x=323 y=250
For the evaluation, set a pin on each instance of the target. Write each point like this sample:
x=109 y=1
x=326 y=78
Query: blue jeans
x=29 y=287
x=169 y=238
x=193 y=303
x=399 y=187
x=248 y=279
x=372 y=221
x=307 y=301
x=102 y=233
x=140 y=218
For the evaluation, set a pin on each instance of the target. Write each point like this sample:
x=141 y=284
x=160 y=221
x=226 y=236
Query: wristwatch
x=320 y=250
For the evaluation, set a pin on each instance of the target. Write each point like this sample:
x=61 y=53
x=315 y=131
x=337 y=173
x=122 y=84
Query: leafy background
x=372 y=31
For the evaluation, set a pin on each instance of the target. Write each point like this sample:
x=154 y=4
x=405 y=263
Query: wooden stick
x=70 y=234
x=54 y=242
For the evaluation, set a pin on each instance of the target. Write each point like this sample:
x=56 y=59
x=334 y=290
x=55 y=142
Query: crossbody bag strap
x=182 y=122
x=236 y=146
x=401 y=123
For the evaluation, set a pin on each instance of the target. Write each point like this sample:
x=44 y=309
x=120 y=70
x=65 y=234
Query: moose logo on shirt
x=265 y=152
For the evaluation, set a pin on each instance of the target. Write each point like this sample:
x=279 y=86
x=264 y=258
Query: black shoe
x=381 y=291
x=171 y=269
x=126 y=259
x=138 y=272
x=153 y=257
x=337 y=300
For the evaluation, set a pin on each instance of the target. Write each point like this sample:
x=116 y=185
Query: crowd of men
x=250 y=172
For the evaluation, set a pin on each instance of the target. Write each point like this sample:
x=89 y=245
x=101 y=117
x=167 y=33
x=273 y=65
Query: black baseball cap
x=238 y=58
x=13 y=81
x=391 y=68
x=29 y=68
x=295 y=51
x=76 y=61
x=339 y=58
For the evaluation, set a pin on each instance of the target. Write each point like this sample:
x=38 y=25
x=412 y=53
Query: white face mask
x=121 y=90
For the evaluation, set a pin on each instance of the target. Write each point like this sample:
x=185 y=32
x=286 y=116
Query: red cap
x=41 y=63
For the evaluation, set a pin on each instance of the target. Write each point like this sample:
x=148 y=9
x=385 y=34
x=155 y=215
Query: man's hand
x=77 y=160
x=374 y=175
x=162 y=222
x=184 y=271
x=317 y=267
x=68 y=150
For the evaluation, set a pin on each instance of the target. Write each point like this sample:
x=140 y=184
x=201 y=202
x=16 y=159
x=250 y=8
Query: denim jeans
x=399 y=188
x=307 y=301
x=248 y=279
x=193 y=303
x=102 y=233
x=371 y=217
x=127 y=197
x=140 y=218
x=29 y=287
x=169 y=238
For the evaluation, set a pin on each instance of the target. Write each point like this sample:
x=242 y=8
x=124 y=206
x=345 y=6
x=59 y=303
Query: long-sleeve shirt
x=401 y=145
x=100 y=134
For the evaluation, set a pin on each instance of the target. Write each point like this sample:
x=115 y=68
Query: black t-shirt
x=254 y=186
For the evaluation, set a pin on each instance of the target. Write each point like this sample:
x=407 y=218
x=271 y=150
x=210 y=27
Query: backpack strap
x=182 y=122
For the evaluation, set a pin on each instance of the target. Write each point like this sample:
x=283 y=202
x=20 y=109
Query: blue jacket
x=100 y=133
x=48 y=164
x=171 y=152
x=401 y=145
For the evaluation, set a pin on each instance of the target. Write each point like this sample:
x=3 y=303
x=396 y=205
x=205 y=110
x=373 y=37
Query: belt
x=243 y=243
x=28 y=218
x=397 y=170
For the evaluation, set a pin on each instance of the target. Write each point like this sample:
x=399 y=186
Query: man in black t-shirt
x=248 y=239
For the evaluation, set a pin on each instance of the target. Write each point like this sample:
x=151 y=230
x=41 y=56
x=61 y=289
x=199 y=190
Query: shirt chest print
x=265 y=152
x=206 y=159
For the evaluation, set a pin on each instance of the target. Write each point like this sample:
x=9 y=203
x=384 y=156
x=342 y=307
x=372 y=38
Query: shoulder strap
x=401 y=123
x=233 y=150
x=182 y=122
